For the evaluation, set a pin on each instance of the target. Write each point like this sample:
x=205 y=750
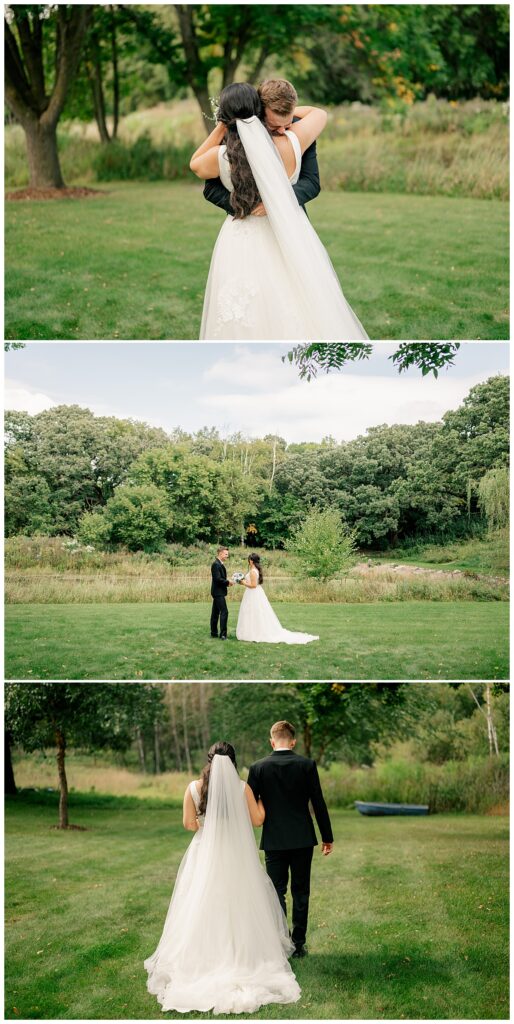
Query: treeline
x=446 y=745
x=99 y=60
x=118 y=483
x=156 y=728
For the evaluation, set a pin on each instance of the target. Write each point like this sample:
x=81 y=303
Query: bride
x=270 y=276
x=257 y=620
x=225 y=942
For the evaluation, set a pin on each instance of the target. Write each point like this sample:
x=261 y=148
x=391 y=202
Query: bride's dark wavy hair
x=240 y=100
x=256 y=559
x=226 y=750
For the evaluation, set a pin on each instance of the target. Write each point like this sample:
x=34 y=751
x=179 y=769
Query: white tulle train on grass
x=225 y=941
x=258 y=622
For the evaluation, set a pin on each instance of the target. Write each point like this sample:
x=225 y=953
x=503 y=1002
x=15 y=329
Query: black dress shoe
x=223 y=638
x=214 y=636
x=299 y=952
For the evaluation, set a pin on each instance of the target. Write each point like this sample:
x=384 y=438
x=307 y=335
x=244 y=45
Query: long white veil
x=317 y=285
x=225 y=941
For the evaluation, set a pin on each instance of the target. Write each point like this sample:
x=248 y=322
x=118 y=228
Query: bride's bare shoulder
x=285 y=148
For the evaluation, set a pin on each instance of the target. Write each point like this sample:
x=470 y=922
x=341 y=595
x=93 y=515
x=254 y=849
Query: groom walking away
x=279 y=99
x=219 y=586
x=286 y=782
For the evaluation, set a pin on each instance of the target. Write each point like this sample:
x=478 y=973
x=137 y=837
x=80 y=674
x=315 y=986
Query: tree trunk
x=156 y=749
x=95 y=78
x=273 y=467
x=186 y=736
x=43 y=156
x=203 y=99
x=491 y=731
x=9 y=781
x=141 y=749
x=203 y=715
x=63 y=782
x=171 y=704
x=255 y=73
x=115 y=77
x=307 y=739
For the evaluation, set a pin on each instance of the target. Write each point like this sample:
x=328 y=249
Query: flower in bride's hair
x=215 y=106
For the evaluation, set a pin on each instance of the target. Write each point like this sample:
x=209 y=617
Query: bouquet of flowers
x=237 y=577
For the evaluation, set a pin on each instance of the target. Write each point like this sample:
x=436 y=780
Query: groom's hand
x=259 y=211
x=326 y=848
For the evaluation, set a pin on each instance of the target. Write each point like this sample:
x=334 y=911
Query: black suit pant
x=219 y=611
x=278 y=865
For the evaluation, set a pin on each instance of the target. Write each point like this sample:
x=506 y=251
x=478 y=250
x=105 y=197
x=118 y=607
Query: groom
x=286 y=782
x=219 y=587
x=279 y=99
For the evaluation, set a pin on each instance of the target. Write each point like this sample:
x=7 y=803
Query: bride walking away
x=225 y=944
x=270 y=276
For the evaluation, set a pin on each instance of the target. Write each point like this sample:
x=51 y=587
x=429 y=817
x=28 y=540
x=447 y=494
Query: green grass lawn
x=133 y=263
x=409 y=917
x=409 y=640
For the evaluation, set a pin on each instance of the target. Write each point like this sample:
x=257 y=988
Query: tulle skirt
x=257 y=622
x=252 y=293
x=225 y=942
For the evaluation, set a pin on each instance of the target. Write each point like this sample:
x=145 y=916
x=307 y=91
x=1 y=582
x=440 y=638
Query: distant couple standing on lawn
x=270 y=277
x=225 y=944
x=257 y=621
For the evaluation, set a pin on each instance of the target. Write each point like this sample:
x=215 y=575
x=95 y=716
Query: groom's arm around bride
x=279 y=100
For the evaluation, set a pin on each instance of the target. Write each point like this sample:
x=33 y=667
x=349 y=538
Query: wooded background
x=119 y=483
x=99 y=63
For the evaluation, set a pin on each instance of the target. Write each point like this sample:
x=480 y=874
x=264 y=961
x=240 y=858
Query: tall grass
x=56 y=570
x=388 y=587
x=487 y=553
x=434 y=147
x=431 y=148
x=477 y=785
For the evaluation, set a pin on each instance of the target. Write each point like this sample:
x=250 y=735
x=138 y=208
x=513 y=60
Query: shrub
x=94 y=528
x=323 y=544
x=142 y=160
x=139 y=517
x=493 y=496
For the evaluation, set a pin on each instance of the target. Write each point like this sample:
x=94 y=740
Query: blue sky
x=239 y=387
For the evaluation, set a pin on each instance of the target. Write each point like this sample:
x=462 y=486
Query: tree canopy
x=118 y=482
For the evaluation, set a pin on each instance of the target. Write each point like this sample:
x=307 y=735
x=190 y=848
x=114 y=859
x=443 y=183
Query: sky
x=239 y=387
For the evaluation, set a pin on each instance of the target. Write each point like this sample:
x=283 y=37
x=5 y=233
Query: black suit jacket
x=307 y=187
x=286 y=782
x=219 y=584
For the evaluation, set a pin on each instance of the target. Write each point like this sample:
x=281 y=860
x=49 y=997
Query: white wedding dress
x=270 y=277
x=257 y=620
x=225 y=942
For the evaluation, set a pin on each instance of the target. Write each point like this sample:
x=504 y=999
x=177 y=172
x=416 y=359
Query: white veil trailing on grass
x=225 y=941
x=317 y=286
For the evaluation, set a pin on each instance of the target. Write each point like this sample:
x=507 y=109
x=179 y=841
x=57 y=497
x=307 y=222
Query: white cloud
x=23 y=399
x=343 y=406
x=252 y=369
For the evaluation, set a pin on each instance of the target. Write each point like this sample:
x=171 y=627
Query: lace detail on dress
x=233 y=302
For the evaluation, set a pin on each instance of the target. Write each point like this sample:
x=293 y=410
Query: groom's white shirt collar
x=282 y=750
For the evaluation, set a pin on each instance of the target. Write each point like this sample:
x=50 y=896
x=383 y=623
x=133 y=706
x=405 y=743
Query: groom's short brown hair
x=283 y=731
x=279 y=95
